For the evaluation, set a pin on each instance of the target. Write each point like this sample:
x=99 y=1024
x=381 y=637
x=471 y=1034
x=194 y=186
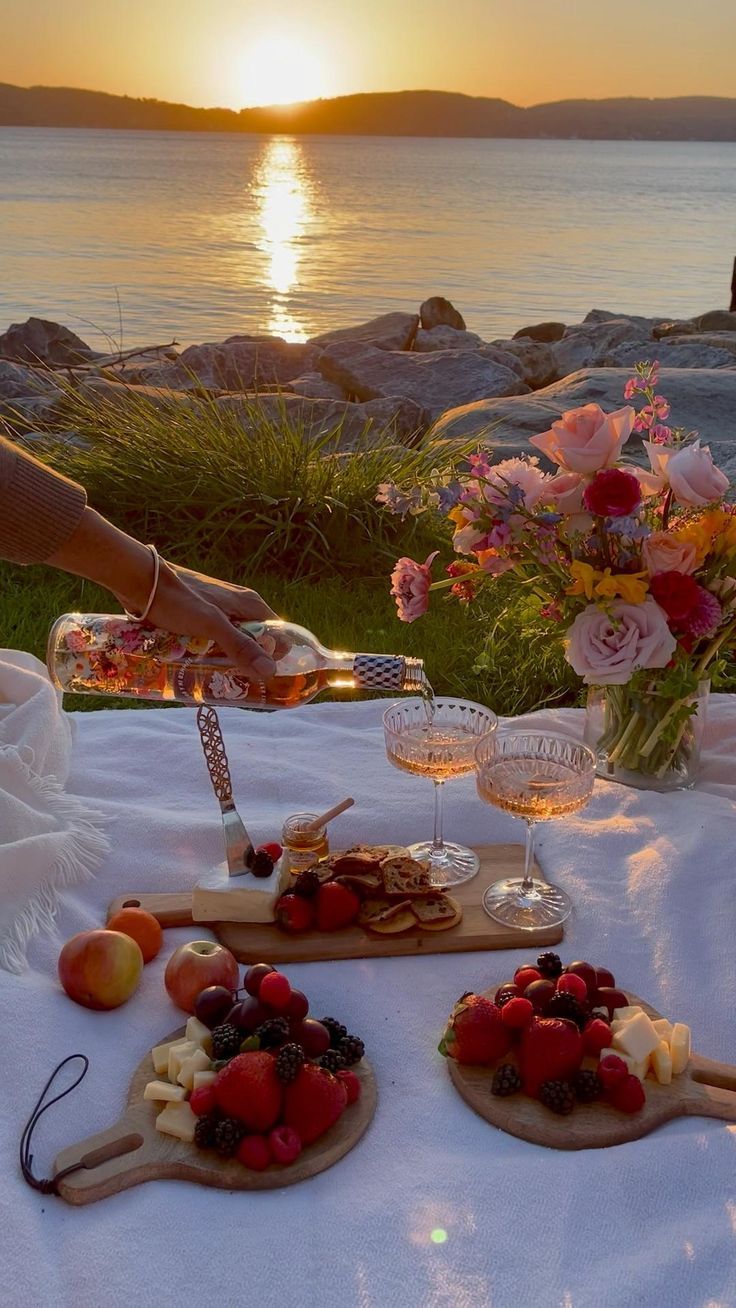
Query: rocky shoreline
x=418 y=376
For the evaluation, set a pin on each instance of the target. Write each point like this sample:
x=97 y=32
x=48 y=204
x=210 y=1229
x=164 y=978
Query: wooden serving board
x=251 y=941
x=704 y=1089
x=133 y=1151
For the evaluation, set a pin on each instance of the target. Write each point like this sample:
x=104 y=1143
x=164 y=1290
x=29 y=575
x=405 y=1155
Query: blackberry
x=558 y=1096
x=506 y=1080
x=288 y=1062
x=564 y=1005
x=550 y=965
x=587 y=1087
x=228 y=1134
x=262 y=864
x=204 y=1131
x=226 y=1040
x=332 y=1061
x=273 y=1032
x=352 y=1049
x=307 y=884
x=336 y=1029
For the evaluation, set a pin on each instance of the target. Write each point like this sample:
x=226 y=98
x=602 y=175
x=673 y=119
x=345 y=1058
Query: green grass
x=299 y=522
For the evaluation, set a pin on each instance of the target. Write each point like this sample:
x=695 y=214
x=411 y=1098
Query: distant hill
x=394 y=113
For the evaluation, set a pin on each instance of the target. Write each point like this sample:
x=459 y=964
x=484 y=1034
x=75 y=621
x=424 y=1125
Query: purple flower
x=705 y=618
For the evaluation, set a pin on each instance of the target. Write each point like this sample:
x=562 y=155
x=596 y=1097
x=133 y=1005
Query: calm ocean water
x=201 y=236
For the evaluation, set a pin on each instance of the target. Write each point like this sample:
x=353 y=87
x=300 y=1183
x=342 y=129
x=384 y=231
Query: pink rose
x=586 y=439
x=663 y=552
x=565 y=490
x=693 y=477
x=410 y=584
x=604 y=647
x=524 y=473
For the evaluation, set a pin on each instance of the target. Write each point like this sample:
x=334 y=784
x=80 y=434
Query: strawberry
x=551 y=1049
x=336 y=906
x=475 y=1032
x=293 y=913
x=313 y=1102
x=249 y=1089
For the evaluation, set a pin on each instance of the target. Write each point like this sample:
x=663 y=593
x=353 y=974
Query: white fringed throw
x=49 y=839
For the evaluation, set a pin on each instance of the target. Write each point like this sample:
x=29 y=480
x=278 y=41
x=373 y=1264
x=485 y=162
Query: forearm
x=102 y=553
x=39 y=509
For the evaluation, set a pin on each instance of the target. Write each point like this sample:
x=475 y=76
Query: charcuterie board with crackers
x=398 y=912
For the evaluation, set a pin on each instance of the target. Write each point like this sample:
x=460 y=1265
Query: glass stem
x=437 y=841
x=527 y=884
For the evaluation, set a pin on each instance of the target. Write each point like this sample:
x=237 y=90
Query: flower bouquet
x=634 y=566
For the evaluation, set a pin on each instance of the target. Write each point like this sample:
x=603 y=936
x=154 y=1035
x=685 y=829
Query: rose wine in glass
x=536 y=776
x=439 y=746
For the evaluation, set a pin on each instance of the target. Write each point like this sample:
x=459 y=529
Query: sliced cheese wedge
x=177 y=1120
x=164 y=1091
x=663 y=1028
x=199 y=1034
x=160 y=1057
x=680 y=1047
x=637 y=1038
x=625 y=1012
x=662 y=1063
x=202 y=1078
x=177 y=1053
x=199 y=1062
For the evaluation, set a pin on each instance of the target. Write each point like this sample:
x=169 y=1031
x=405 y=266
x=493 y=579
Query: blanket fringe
x=85 y=848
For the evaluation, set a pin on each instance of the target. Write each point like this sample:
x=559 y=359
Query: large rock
x=535 y=359
x=40 y=341
x=241 y=363
x=391 y=331
x=680 y=327
x=716 y=320
x=608 y=315
x=436 y=381
x=352 y=426
x=439 y=312
x=443 y=337
x=688 y=352
x=542 y=331
x=702 y=399
x=716 y=340
x=589 y=345
x=314 y=386
x=17 y=381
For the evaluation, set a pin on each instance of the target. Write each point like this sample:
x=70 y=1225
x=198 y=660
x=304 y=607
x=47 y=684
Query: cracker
x=392 y=926
x=444 y=923
x=405 y=876
x=379 y=909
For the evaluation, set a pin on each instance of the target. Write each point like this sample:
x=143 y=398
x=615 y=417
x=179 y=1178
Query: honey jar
x=303 y=847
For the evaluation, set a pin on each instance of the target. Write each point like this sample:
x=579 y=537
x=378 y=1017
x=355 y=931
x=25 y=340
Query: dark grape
x=255 y=975
x=213 y=1005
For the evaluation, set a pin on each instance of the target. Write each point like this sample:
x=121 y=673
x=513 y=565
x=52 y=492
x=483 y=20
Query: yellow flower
x=629 y=586
x=713 y=532
x=458 y=515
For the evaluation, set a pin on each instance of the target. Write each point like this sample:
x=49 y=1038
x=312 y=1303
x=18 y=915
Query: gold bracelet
x=141 y=617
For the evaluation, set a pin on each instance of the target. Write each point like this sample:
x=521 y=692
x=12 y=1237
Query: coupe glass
x=536 y=776
x=439 y=744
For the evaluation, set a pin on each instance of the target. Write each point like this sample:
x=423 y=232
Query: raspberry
x=628 y=1096
x=285 y=1144
x=351 y=1083
x=254 y=1152
x=202 y=1101
x=275 y=991
x=523 y=977
x=587 y=1087
x=571 y=984
x=506 y=1081
x=558 y=1096
x=549 y=964
x=596 y=1036
x=612 y=1070
x=517 y=1013
x=273 y=849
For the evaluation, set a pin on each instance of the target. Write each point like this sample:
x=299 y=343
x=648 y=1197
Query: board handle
x=103 y=1163
x=706 y=1071
x=170 y=910
x=712 y=1089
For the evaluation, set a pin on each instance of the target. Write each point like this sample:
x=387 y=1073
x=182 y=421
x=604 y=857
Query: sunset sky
x=243 y=52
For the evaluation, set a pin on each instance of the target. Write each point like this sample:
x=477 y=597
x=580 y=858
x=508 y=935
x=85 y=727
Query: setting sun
x=278 y=70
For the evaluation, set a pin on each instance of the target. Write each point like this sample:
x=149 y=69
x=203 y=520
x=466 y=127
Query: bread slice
x=405 y=876
x=379 y=909
x=437 y=912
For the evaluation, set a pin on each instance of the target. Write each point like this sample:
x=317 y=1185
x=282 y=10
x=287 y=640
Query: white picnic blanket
x=434 y=1208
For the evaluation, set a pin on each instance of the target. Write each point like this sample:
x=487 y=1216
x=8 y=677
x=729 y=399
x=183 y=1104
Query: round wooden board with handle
x=133 y=1151
x=704 y=1089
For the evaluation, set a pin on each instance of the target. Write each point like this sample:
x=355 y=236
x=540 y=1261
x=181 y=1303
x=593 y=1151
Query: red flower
x=612 y=494
x=676 y=593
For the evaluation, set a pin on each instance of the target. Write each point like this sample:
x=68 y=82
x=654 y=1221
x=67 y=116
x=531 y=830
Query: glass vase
x=646 y=740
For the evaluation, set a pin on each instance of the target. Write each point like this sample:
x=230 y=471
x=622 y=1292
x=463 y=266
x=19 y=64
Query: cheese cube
x=629 y=1010
x=680 y=1047
x=177 y=1120
x=637 y=1038
x=662 y=1063
x=199 y=1062
x=160 y=1057
x=203 y=1078
x=200 y=1034
x=663 y=1029
x=177 y=1053
x=164 y=1091
x=637 y=1067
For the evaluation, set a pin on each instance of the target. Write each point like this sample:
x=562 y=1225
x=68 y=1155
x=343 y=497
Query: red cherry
x=610 y=998
x=571 y=984
x=517 y=1013
x=298 y=1006
x=275 y=991
x=604 y=978
x=540 y=993
x=523 y=977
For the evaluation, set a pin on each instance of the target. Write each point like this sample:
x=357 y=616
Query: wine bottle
x=106 y=654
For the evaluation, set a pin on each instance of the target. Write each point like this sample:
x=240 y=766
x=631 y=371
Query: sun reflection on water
x=284 y=194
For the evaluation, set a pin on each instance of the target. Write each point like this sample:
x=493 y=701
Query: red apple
x=195 y=966
x=100 y=969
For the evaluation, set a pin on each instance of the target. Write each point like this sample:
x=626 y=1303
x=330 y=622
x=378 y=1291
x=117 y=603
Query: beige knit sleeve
x=39 y=509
